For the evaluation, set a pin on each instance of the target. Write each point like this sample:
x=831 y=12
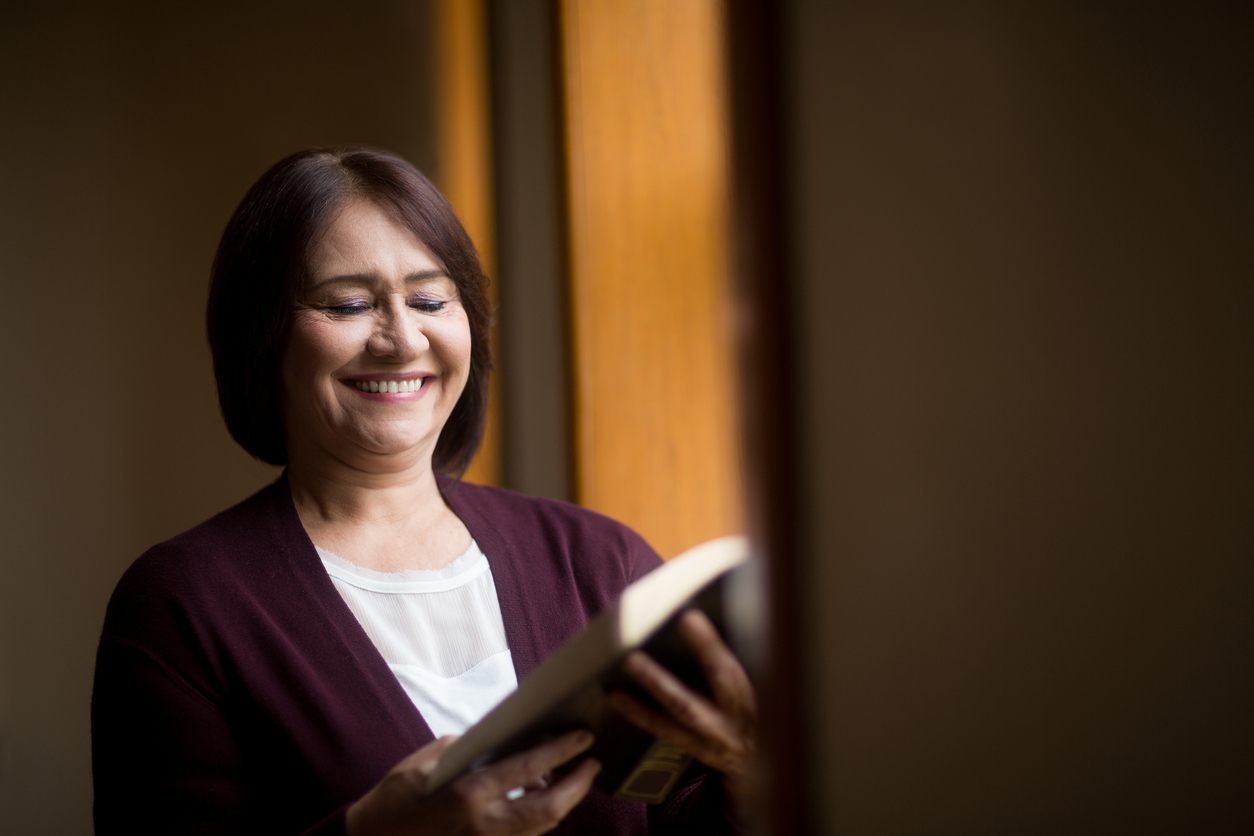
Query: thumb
x=425 y=759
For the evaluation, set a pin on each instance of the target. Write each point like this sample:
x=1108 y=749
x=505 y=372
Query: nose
x=398 y=333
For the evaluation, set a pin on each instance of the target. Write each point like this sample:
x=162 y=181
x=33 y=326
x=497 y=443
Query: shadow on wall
x=131 y=133
x=1024 y=331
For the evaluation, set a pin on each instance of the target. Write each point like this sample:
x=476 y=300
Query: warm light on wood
x=647 y=166
x=463 y=144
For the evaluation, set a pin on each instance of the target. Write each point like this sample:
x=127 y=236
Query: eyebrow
x=372 y=279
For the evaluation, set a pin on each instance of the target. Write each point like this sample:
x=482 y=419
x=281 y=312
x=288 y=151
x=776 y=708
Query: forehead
x=362 y=238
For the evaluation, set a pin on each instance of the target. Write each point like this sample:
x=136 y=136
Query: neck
x=333 y=490
x=386 y=515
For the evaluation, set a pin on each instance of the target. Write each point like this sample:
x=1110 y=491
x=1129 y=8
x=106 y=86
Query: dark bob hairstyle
x=261 y=267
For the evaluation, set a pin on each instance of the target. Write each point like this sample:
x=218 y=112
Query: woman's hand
x=481 y=802
x=722 y=732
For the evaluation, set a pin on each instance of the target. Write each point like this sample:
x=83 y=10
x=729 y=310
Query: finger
x=418 y=766
x=425 y=759
x=713 y=735
x=678 y=700
x=530 y=766
x=728 y=681
x=393 y=798
x=716 y=745
x=540 y=783
x=545 y=809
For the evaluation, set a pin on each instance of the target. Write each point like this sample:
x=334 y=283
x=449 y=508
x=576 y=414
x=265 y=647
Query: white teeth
x=389 y=386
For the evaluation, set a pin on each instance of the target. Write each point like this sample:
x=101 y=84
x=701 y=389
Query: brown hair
x=261 y=268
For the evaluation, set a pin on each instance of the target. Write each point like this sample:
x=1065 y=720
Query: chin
x=400 y=451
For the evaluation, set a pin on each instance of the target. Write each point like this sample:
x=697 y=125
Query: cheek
x=457 y=347
x=313 y=351
x=464 y=352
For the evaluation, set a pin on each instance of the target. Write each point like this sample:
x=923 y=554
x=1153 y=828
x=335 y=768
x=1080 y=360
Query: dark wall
x=1024 y=250
x=534 y=353
x=130 y=131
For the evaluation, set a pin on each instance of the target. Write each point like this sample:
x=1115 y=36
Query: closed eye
x=428 y=305
x=346 y=310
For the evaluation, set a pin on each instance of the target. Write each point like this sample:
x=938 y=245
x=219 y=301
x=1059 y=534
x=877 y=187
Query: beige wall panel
x=655 y=421
x=464 y=150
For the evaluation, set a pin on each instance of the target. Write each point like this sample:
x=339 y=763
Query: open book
x=567 y=691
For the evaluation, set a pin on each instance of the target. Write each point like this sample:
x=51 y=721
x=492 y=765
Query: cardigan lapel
x=516 y=579
x=521 y=578
x=340 y=627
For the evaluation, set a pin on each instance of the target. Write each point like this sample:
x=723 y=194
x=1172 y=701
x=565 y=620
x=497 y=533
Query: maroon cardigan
x=235 y=691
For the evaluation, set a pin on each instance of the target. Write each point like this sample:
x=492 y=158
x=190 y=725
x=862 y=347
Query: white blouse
x=439 y=630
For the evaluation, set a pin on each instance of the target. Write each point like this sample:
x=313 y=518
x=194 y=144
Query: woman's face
x=379 y=350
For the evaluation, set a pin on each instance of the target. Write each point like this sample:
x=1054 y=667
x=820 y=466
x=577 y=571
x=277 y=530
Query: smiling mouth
x=392 y=387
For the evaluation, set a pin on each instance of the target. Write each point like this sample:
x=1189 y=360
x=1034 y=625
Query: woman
x=287 y=666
